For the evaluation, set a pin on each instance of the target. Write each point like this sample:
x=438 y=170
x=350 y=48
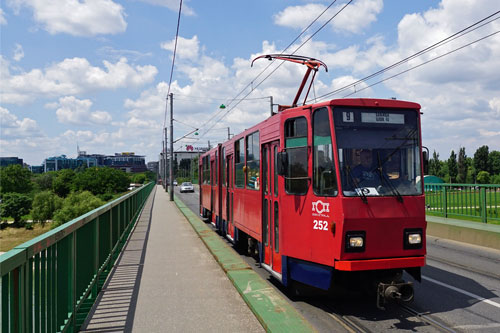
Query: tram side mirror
x=282 y=164
x=425 y=162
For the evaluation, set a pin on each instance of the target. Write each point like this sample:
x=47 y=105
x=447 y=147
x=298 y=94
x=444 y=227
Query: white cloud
x=76 y=17
x=3 y=20
x=495 y=106
x=71 y=110
x=70 y=77
x=172 y=5
x=13 y=128
x=18 y=52
x=354 y=18
x=186 y=48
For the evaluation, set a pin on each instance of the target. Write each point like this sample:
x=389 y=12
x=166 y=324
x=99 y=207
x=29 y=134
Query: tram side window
x=206 y=170
x=253 y=161
x=324 y=181
x=239 y=162
x=223 y=167
x=296 y=147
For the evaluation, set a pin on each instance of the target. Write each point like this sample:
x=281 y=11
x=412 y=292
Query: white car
x=187 y=187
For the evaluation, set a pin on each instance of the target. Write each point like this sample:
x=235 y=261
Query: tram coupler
x=394 y=292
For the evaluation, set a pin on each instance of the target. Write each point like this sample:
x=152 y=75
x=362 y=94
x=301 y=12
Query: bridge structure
x=144 y=263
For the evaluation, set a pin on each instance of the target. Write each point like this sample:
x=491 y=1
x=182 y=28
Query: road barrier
x=480 y=202
x=50 y=283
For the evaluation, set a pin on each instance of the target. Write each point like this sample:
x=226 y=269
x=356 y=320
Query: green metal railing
x=480 y=202
x=50 y=283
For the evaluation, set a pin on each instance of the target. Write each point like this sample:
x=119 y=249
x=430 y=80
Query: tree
x=494 y=162
x=101 y=180
x=452 y=166
x=481 y=159
x=483 y=177
x=434 y=164
x=63 y=183
x=15 y=205
x=462 y=166
x=76 y=204
x=44 y=205
x=44 y=181
x=15 y=178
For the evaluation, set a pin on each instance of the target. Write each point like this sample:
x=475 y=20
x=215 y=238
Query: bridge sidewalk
x=166 y=280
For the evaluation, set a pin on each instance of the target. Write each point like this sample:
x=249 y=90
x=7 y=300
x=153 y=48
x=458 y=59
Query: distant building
x=57 y=163
x=153 y=166
x=128 y=162
x=36 y=168
x=6 y=161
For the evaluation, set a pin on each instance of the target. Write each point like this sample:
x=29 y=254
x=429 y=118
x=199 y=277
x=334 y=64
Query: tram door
x=230 y=195
x=212 y=188
x=270 y=207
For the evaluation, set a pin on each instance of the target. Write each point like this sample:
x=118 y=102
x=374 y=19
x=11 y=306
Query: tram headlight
x=355 y=241
x=413 y=238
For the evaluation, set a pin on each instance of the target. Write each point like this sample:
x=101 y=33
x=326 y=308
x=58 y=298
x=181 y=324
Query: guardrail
x=50 y=283
x=480 y=202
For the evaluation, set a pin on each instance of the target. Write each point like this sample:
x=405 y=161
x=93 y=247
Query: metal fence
x=481 y=202
x=50 y=283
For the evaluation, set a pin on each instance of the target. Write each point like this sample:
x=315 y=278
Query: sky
x=94 y=74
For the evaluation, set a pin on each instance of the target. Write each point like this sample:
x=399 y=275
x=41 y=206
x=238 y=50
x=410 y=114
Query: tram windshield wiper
x=383 y=178
x=360 y=193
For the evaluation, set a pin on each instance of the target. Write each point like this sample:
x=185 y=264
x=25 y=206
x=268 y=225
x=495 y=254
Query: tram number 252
x=320 y=225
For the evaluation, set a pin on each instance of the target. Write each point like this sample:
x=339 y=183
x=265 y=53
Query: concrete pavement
x=167 y=281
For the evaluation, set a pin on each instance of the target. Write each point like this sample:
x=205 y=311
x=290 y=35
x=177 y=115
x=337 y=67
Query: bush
x=76 y=204
x=483 y=177
x=44 y=206
x=15 y=205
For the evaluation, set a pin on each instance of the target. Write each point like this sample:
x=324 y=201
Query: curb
x=273 y=312
x=486 y=235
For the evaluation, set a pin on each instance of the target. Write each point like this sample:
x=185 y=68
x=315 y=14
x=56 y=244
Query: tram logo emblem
x=320 y=207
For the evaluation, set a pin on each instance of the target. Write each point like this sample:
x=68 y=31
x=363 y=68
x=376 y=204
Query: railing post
x=444 y=201
x=482 y=200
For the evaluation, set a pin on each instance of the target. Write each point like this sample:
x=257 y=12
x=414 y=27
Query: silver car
x=187 y=187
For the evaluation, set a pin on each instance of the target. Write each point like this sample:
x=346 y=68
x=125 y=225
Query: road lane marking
x=479 y=298
x=477 y=327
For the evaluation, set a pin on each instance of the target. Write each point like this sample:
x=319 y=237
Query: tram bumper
x=394 y=292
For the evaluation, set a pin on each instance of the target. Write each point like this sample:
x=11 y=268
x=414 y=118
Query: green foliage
x=44 y=205
x=452 y=167
x=434 y=164
x=15 y=205
x=483 y=177
x=494 y=162
x=462 y=166
x=481 y=159
x=63 y=182
x=44 y=181
x=15 y=178
x=495 y=179
x=139 y=178
x=101 y=180
x=76 y=204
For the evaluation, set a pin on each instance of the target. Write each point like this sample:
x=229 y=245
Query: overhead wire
x=442 y=42
x=424 y=63
x=275 y=69
x=173 y=62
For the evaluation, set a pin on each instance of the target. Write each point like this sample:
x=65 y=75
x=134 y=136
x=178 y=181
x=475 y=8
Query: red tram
x=325 y=193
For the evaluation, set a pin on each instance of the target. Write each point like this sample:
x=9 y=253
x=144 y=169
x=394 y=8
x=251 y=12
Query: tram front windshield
x=378 y=152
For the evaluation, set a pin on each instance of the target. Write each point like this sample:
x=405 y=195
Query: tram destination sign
x=382 y=118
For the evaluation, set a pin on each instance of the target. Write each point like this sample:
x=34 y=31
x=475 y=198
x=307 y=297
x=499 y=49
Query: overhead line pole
x=164 y=176
x=171 y=147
